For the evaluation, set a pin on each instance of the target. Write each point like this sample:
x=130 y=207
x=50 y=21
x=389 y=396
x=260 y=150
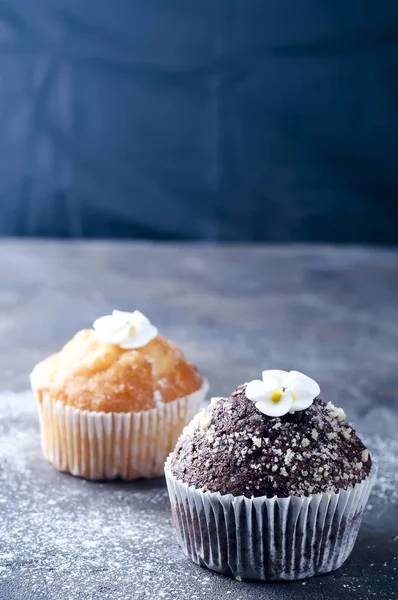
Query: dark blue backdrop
x=210 y=119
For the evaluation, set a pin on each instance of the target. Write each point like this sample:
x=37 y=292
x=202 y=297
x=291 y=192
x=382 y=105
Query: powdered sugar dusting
x=222 y=457
x=63 y=537
x=385 y=489
x=56 y=529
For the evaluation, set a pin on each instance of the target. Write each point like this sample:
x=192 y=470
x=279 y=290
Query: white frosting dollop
x=125 y=329
x=281 y=392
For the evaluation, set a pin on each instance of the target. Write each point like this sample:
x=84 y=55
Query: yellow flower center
x=131 y=328
x=277 y=395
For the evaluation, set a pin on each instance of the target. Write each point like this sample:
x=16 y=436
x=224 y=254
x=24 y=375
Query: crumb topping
x=231 y=447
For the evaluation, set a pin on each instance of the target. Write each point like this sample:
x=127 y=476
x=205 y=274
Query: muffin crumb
x=214 y=401
x=245 y=452
x=347 y=433
x=205 y=421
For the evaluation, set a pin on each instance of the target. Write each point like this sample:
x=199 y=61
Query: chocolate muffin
x=270 y=482
x=233 y=448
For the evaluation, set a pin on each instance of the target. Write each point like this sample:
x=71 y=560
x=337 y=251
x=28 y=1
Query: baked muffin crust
x=93 y=375
x=231 y=447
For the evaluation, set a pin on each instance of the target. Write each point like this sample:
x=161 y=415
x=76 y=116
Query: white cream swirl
x=125 y=329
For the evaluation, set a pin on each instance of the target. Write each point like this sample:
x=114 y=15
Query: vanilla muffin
x=270 y=482
x=113 y=401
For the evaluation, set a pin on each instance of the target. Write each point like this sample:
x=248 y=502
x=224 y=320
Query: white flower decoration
x=281 y=392
x=125 y=329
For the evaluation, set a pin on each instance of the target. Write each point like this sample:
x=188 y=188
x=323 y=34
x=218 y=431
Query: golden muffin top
x=93 y=374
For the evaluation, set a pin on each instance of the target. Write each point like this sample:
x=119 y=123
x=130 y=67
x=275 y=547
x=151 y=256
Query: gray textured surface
x=331 y=313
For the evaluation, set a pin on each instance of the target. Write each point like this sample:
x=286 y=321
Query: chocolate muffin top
x=233 y=447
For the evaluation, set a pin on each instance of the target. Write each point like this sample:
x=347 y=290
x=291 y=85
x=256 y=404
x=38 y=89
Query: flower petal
x=111 y=330
x=277 y=375
x=256 y=390
x=127 y=316
x=125 y=329
x=276 y=409
x=143 y=332
x=301 y=404
x=303 y=389
x=140 y=338
x=310 y=384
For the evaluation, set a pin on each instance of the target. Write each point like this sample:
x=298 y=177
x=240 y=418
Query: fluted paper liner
x=267 y=538
x=99 y=445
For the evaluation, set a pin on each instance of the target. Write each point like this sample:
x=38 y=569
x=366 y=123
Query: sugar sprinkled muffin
x=275 y=451
x=113 y=401
x=232 y=448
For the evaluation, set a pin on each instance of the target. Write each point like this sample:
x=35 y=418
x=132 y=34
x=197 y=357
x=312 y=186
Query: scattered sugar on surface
x=60 y=535
x=385 y=452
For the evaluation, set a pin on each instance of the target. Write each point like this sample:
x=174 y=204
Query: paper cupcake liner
x=99 y=445
x=267 y=538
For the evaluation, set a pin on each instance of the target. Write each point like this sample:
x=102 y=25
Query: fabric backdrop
x=205 y=119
